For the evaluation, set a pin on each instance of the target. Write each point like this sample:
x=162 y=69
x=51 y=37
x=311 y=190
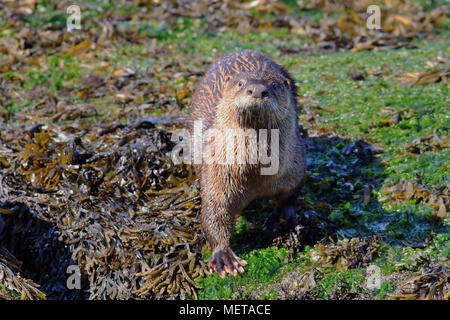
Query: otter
x=245 y=90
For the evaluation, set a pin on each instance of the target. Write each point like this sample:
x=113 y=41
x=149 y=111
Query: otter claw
x=225 y=261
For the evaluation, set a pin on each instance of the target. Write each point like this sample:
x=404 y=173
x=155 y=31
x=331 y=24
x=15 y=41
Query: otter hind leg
x=284 y=215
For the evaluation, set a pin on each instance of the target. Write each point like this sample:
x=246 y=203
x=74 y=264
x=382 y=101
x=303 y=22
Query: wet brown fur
x=228 y=189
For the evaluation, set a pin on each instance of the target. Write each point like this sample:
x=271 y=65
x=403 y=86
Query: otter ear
x=287 y=83
x=227 y=78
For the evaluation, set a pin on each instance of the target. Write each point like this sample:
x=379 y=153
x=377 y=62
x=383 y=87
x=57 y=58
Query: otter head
x=256 y=97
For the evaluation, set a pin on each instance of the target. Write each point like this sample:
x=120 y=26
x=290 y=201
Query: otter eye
x=240 y=83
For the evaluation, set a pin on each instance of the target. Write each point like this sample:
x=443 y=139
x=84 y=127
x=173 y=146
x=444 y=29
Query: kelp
x=347 y=253
x=436 y=198
x=425 y=77
x=343 y=25
x=10 y=277
x=431 y=283
x=126 y=213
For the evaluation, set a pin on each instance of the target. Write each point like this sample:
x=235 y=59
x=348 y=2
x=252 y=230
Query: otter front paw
x=225 y=261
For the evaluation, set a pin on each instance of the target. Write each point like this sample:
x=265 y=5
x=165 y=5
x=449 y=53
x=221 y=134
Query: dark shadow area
x=44 y=259
x=337 y=202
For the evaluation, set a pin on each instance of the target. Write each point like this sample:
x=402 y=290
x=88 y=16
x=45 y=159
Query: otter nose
x=257 y=91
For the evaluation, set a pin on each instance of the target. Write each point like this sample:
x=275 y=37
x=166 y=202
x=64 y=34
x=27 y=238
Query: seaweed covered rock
x=105 y=198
